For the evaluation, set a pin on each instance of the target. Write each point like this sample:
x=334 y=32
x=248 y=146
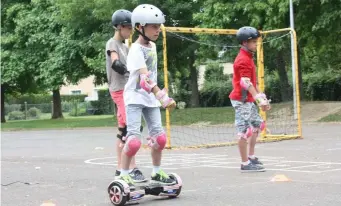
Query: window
x=75 y=92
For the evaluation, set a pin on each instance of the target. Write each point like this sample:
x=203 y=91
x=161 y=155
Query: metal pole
x=165 y=74
x=293 y=66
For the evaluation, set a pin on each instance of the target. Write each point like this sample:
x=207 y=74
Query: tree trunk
x=194 y=81
x=3 y=119
x=57 y=105
x=283 y=78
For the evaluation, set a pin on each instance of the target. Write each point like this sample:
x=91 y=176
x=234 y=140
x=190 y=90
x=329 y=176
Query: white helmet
x=147 y=14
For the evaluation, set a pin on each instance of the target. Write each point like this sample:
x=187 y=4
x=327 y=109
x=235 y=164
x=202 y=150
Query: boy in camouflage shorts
x=248 y=122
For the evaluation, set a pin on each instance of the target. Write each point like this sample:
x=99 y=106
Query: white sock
x=252 y=156
x=124 y=172
x=131 y=170
x=156 y=169
x=246 y=163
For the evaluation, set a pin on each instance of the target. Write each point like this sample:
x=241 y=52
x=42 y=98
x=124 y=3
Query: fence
x=44 y=111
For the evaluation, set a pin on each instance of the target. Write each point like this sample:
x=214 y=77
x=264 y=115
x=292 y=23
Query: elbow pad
x=245 y=83
x=146 y=83
x=119 y=67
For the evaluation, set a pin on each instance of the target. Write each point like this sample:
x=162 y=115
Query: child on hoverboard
x=142 y=96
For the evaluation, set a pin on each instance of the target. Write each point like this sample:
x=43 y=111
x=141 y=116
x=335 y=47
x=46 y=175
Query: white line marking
x=333 y=149
x=285 y=170
x=289 y=168
x=306 y=162
x=333 y=170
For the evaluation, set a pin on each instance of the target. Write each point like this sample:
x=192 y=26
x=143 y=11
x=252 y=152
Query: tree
x=263 y=15
x=91 y=20
x=48 y=48
x=17 y=76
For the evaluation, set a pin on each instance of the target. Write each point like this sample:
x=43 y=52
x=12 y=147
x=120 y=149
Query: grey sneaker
x=252 y=168
x=255 y=161
x=137 y=176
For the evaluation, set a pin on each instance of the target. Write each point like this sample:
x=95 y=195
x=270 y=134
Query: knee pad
x=124 y=133
x=131 y=146
x=260 y=129
x=247 y=134
x=158 y=142
x=262 y=126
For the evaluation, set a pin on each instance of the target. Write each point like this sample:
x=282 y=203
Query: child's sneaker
x=128 y=180
x=162 y=178
x=137 y=176
x=117 y=174
x=255 y=161
x=252 y=168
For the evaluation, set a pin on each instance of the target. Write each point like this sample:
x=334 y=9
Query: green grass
x=336 y=117
x=212 y=115
x=177 y=117
x=88 y=121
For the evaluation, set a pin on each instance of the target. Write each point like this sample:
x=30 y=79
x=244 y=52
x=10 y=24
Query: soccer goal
x=213 y=126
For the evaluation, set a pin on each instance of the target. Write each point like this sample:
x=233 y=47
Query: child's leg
x=132 y=142
x=242 y=114
x=156 y=133
x=258 y=126
x=117 y=97
x=157 y=142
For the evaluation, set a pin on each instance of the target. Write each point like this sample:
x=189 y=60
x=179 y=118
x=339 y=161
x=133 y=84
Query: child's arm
x=245 y=83
x=117 y=65
x=150 y=86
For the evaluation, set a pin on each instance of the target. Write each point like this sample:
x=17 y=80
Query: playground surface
x=74 y=168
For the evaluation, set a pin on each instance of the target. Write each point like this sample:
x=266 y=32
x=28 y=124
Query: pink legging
x=117 y=97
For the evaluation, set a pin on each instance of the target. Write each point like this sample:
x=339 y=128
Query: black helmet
x=245 y=33
x=121 y=17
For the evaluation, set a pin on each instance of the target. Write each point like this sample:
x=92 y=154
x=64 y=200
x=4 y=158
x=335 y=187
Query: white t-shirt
x=140 y=57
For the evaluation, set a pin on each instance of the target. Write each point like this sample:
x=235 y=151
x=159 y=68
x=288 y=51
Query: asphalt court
x=74 y=168
x=189 y=161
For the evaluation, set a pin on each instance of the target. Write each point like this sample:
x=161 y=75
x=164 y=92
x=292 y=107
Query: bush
x=272 y=87
x=323 y=85
x=182 y=96
x=41 y=98
x=78 y=112
x=214 y=72
x=34 y=113
x=216 y=94
x=217 y=87
x=181 y=105
x=79 y=109
x=11 y=108
x=66 y=106
x=16 y=115
x=104 y=104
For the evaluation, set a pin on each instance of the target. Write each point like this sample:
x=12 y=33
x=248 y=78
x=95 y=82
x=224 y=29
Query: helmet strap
x=248 y=50
x=143 y=34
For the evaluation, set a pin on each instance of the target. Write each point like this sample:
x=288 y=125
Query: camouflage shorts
x=246 y=115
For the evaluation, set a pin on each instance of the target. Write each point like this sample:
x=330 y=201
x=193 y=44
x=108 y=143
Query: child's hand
x=165 y=100
x=263 y=102
x=265 y=107
x=171 y=106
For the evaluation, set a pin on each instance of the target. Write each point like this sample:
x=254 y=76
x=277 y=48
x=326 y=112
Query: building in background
x=85 y=86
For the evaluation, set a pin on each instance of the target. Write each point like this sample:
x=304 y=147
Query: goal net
x=209 y=68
